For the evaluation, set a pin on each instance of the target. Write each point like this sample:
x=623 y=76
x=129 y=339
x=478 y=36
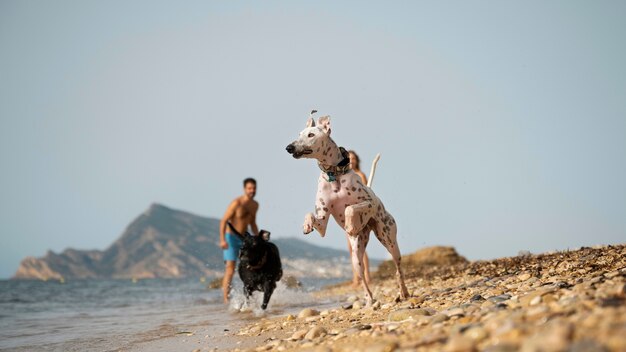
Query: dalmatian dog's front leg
x=319 y=221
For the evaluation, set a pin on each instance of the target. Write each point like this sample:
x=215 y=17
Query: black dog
x=259 y=264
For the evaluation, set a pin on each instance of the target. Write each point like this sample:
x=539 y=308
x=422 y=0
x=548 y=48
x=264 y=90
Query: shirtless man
x=241 y=213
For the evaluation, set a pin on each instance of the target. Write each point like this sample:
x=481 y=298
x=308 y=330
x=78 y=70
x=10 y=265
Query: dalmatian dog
x=342 y=195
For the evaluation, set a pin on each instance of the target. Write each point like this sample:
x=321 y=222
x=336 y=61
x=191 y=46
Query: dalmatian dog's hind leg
x=358 y=244
x=386 y=232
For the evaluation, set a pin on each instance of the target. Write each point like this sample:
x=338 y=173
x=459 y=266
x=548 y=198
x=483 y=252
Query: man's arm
x=227 y=216
x=255 y=229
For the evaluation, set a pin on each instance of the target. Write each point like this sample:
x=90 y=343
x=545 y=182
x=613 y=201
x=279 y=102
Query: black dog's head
x=254 y=248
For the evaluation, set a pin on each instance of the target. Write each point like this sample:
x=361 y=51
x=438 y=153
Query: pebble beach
x=560 y=301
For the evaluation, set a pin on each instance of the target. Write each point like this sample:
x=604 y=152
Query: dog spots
x=353 y=188
x=322 y=201
x=325 y=209
x=343 y=181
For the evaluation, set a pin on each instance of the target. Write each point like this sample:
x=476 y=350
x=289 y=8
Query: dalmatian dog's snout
x=298 y=150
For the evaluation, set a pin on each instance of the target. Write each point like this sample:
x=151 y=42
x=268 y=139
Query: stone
x=537 y=312
x=501 y=347
x=535 y=301
x=587 y=346
x=308 y=312
x=455 y=312
x=555 y=337
x=315 y=332
x=439 y=318
x=524 y=277
x=620 y=290
x=460 y=344
x=381 y=347
x=499 y=298
x=549 y=298
x=392 y=327
x=299 y=335
x=477 y=298
x=357 y=305
x=616 y=343
x=404 y=314
x=476 y=333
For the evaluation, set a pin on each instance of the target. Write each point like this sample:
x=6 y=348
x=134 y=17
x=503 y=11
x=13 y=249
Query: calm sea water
x=106 y=315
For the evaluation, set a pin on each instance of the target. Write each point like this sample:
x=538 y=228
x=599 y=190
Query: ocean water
x=109 y=315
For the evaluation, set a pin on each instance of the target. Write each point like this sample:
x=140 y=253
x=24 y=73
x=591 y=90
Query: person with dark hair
x=355 y=165
x=241 y=214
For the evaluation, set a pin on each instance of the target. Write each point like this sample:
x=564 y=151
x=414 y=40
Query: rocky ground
x=562 y=301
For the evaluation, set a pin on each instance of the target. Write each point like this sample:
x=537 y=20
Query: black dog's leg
x=268 y=289
x=247 y=292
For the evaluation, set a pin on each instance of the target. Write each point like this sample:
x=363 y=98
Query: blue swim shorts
x=234 y=245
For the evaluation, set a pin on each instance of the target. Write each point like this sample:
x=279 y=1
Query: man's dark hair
x=249 y=180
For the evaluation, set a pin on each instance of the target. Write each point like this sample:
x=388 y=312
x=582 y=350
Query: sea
x=114 y=315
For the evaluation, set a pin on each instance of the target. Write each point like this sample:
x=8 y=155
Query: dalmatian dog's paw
x=307 y=227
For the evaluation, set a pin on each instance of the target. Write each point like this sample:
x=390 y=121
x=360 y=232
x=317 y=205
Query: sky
x=501 y=124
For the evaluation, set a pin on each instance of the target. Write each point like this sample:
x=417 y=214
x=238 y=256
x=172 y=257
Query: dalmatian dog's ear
x=310 y=122
x=324 y=123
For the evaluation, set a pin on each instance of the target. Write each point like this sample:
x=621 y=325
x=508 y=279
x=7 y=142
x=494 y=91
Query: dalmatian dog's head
x=314 y=141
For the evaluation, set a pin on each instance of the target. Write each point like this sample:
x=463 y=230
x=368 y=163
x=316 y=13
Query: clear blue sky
x=502 y=125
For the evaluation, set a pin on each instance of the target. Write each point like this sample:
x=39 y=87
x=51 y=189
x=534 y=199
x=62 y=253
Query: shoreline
x=222 y=333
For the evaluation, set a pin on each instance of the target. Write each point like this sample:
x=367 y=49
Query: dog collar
x=337 y=170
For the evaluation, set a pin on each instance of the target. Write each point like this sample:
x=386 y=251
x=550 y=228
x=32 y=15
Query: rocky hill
x=437 y=256
x=164 y=242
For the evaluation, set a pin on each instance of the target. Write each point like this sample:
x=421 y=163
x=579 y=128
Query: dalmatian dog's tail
x=370 y=180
